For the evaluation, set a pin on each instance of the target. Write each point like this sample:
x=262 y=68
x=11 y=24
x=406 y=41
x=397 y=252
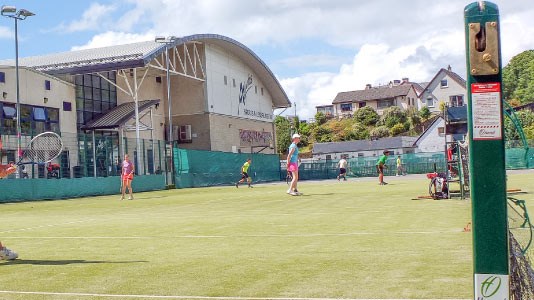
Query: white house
x=447 y=87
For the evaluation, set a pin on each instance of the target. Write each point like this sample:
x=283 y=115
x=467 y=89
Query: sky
x=316 y=48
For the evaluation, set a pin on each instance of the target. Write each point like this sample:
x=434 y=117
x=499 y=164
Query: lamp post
x=167 y=42
x=21 y=14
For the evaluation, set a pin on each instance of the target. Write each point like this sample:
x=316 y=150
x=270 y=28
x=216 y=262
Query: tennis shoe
x=130 y=198
x=288 y=191
x=6 y=254
x=293 y=193
x=237 y=184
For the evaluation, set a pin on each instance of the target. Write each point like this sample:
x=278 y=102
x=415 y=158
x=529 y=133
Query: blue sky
x=316 y=48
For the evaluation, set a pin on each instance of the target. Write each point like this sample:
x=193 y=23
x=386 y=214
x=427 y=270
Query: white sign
x=486 y=110
x=491 y=287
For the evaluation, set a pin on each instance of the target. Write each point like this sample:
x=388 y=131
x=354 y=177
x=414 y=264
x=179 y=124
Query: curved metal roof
x=142 y=53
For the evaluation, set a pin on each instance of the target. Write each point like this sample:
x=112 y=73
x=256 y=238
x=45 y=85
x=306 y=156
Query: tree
x=283 y=140
x=425 y=112
x=366 y=116
x=397 y=129
x=320 y=118
x=379 y=132
x=393 y=115
x=518 y=77
x=360 y=131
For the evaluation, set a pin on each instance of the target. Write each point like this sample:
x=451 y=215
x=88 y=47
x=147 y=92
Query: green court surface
x=352 y=239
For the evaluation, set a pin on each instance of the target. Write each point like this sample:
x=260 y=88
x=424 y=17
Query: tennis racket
x=42 y=149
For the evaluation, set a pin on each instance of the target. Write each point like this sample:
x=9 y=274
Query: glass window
x=346 y=106
x=385 y=103
x=53 y=114
x=39 y=127
x=25 y=112
x=362 y=104
x=444 y=83
x=54 y=127
x=9 y=112
x=26 y=126
x=39 y=114
x=457 y=100
x=48 y=85
x=430 y=102
x=2 y=77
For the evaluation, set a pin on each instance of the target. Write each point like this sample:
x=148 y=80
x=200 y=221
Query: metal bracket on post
x=484 y=49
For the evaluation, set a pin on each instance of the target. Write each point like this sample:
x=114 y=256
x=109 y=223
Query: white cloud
x=93 y=18
x=390 y=39
x=111 y=38
x=5 y=32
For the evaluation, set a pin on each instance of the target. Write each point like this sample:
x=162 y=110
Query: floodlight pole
x=21 y=14
x=168 y=41
x=486 y=152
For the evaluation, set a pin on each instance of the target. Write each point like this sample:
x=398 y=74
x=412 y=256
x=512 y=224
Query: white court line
x=187 y=297
x=48 y=225
x=234 y=236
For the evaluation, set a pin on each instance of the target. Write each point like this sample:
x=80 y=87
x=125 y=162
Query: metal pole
x=94 y=154
x=169 y=104
x=19 y=129
x=137 y=135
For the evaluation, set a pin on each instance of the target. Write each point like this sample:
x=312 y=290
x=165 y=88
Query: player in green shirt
x=380 y=165
x=244 y=174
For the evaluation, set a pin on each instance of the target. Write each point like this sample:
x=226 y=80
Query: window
x=185 y=134
x=9 y=111
x=225 y=80
x=262 y=91
x=441 y=131
x=385 y=103
x=255 y=89
x=2 y=77
x=39 y=114
x=233 y=82
x=362 y=104
x=430 y=102
x=158 y=79
x=457 y=100
x=346 y=106
x=47 y=85
x=67 y=106
x=444 y=83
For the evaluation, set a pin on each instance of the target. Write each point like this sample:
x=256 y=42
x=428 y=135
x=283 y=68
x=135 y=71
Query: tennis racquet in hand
x=42 y=149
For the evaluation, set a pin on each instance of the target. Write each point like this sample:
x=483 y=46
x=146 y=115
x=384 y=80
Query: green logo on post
x=490 y=286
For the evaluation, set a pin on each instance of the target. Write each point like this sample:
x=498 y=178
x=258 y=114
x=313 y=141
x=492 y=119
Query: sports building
x=222 y=97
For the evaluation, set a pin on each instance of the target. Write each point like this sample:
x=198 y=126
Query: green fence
x=196 y=168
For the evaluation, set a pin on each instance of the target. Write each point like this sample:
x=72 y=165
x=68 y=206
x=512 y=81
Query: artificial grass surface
x=351 y=239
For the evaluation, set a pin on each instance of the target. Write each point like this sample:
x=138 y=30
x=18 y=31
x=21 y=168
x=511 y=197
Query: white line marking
x=234 y=236
x=187 y=297
x=48 y=225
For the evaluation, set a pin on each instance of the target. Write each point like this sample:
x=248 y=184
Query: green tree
x=322 y=134
x=379 y=132
x=360 y=131
x=366 y=116
x=283 y=139
x=320 y=118
x=397 y=129
x=425 y=113
x=392 y=115
x=518 y=78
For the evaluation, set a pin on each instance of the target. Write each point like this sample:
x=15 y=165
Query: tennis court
x=351 y=239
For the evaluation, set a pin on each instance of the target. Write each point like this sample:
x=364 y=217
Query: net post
x=486 y=151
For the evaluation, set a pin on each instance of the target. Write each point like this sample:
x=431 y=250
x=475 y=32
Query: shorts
x=127 y=177
x=244 y=175
x=380 y=169
x=292 y=167
x=342 y=171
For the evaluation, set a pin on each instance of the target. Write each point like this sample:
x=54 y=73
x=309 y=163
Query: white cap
x=296 y=135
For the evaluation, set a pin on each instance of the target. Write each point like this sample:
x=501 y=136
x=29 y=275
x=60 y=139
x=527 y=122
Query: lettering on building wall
x=255 y=138
x=244 y=87
x=258 y=114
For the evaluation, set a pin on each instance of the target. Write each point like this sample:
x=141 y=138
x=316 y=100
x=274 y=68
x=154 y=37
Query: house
x=447 y=87
x=442 y=130
x=327 y=110
x=379 y=98
x=364 y=148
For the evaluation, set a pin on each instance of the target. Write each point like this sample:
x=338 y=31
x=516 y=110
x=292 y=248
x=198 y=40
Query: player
x=127 y=172
x=5 y=253
x=292 y=164
x=380 y=165
x=244 y=174
x=400 y=168
x=342 y=169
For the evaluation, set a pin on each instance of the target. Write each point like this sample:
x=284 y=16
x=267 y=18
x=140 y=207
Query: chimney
x=449 y=68
x=368 y=86
x=405 y=80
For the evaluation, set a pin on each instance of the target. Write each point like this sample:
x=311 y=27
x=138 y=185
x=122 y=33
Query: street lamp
x=21 y=14
x=168 y=41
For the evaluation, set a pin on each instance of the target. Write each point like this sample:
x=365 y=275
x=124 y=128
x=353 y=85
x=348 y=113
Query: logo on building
x=244 y=87
x=490 y=286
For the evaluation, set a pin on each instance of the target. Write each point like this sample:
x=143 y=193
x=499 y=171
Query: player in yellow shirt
x=244 y=174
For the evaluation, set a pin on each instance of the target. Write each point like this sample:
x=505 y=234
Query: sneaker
x=122 y=198
x=7 y=254
x=383 y=183
x=237 y=184
x=293 y=193
x=288 y=191
x=298 y=193
x=338 y=178
x=130 y=198
x=250 y=186
x=344 y=179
